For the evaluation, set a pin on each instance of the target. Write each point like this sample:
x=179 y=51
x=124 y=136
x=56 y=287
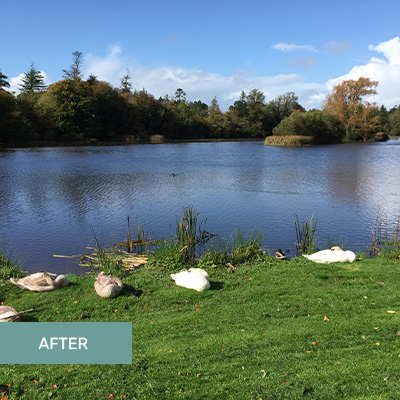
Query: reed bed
x=288 y=140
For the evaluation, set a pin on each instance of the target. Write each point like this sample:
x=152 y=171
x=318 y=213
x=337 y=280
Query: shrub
x=323 y=127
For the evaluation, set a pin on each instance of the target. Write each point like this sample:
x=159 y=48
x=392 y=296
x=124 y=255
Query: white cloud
x=198 y=84
x=106 y=69
x=15 y=82
x=205 y=86
x=390 y=49
x=386 y=72
x=294 y=47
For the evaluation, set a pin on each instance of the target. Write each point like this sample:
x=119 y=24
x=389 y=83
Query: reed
x=288 y=140
x=190 y=234
x=385 y=238
x=305 y=235
x=141 y=238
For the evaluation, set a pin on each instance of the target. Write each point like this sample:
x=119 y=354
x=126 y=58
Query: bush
x=323 y=127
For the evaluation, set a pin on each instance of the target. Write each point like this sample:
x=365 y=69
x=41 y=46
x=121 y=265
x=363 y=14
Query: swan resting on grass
x=10 y=314
x=333 y=255
x=41 y=282
x=107 y=285
x=194 y=278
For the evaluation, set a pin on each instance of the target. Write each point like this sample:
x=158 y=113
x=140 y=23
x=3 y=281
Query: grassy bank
x=288 y=140
x=270 y=329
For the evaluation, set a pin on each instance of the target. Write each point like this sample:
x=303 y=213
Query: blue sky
x=209 y=48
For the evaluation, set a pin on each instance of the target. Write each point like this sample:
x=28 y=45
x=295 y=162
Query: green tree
x=109 y=112
x=240 y=109
x=74 y=72
x=32 y=81
x=321 y=126
x=214 y=106
x=393 y=128
x=3 y=81
x=73 y=111
x=126 y=85
x=146 y=114
x=7 y=114
x=180 y=95
x=92 y=79
x=280 y=108
x=247 y=114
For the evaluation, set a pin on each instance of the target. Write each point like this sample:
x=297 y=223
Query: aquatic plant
x=385 y=238
x=141 y=238
x=190 y=234
x=238 y=249
x=288 y=140
x=305 y=235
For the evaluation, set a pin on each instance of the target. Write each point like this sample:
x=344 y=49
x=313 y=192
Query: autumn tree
x=346 y=100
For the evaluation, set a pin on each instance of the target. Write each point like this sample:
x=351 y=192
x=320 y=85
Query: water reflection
x=54 y=200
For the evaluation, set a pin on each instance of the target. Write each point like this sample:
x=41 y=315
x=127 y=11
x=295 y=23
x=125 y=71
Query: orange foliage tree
x=346 y=100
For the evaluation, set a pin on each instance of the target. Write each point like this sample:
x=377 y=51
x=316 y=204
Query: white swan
x=333 y=255
x=107 y=285
x=41 y=282
x=10 y=314
x=194 y=278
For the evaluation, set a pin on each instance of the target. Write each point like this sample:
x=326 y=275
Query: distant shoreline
x=95 y=143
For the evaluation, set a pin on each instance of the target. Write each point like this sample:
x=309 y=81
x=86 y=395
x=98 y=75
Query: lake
x=56 y=200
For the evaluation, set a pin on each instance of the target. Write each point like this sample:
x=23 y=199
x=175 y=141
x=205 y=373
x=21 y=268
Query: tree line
x=78 y=110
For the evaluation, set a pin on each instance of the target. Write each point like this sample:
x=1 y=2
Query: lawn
x=269 y=330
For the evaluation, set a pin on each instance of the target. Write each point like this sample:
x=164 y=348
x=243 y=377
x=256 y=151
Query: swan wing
x=38 y=282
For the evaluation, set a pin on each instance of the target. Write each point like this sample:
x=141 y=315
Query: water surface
x=55 y=200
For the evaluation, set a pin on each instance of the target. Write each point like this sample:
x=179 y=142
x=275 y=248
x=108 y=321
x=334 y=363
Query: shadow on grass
x=29 y=318
x=129 y=290
x=216 y=285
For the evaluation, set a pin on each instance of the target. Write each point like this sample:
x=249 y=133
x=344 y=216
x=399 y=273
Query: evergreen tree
x=3 y=81
x=214 y=107
x=74 y=72
x=92 y=79
x=126 y=86
x=180 y=95
x=32 y=81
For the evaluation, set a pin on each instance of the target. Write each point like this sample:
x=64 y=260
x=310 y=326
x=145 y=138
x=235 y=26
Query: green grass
x=257 y=333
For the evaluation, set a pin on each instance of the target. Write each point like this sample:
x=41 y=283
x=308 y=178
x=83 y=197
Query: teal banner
x=66 y=343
